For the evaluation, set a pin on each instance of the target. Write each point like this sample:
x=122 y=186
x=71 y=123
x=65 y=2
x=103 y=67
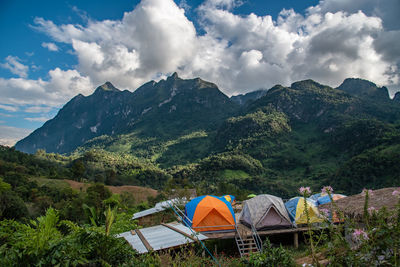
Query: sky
x=53 y=50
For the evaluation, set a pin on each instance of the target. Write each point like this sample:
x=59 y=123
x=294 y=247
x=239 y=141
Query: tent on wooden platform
x=210 y=213
x=231 y=199
x=323 y=198
x=297 y=212
x=265 y=212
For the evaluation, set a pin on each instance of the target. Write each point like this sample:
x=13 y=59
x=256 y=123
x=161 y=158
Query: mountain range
x=166 y=109
x=273 y=138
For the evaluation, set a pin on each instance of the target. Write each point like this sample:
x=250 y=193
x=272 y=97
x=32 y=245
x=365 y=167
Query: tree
x=111 y=177
x=4 y=186
x=96 y=194
x=78 y=169
x=12 y=206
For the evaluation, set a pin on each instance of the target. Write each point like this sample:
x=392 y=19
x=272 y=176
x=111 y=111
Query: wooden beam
x=144 y=240
x=179 y=231
x=228 y=235
x=296 y=240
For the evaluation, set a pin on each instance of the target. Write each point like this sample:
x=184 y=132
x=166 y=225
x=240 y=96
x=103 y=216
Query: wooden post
x=179 y=231
x=296 y=239
x=215 y=249
x=144 y=240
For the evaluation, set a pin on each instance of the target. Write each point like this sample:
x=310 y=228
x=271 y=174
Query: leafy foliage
x=271 y=256
x=47 y=241
x=375 y=168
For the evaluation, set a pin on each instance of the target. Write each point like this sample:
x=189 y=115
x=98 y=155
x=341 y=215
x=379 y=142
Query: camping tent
x=296 y=209
x=265 y=212
x=231 y=199
x=210 y=213
x=324 y=198
x=316 y=196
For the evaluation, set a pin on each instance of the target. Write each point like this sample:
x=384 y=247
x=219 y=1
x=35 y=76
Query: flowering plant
x=324 y=212
x=327 y=190
x=371 y=209
x=360 y=234
x=305 y=190
x=365 y=191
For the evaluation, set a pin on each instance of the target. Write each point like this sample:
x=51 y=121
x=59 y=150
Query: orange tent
x=210 y=213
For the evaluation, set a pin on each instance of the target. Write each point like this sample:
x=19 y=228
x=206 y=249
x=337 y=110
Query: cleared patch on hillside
x=50 y=182
x=140 y=193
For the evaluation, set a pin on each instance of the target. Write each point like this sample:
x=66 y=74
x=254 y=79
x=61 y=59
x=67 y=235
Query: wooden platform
x=229 y=235
x=295 y=231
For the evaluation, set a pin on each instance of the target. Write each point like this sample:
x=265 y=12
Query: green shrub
x=271 y=256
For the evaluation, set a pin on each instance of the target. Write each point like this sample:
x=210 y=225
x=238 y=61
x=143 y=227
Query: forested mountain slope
x=193 y=135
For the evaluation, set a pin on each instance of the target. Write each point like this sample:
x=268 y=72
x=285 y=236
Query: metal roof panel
x=134 y=241
x=161 y=237
x=160 y=206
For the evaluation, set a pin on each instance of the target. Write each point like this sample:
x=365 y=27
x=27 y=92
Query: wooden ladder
x=245 y=242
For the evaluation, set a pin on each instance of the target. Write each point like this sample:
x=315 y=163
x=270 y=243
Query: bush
x=271 y=256
x=48 y=242
x=12 y=206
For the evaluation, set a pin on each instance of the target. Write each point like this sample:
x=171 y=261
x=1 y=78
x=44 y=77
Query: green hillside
x=187 y=133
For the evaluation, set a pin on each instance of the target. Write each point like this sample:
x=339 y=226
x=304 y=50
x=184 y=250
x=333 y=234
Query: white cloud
x=62 y=33
x=10 y=135
x=38 y=119
x=37 y=109
x=9 y=108
x=387 y=10
x=61 y=86
x=256 y=52
x=183 y=4
x=6 y=115
x=51 y=46
x=239 y=53
x=384 y=41
x=154 y=37
x=14 y=65
x=224 y=4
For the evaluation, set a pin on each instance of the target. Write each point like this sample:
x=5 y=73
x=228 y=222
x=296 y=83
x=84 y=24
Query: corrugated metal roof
x=134 y=241
x=160 y=237
x=159 y=207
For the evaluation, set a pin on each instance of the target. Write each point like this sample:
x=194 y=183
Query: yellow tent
x=296 y=209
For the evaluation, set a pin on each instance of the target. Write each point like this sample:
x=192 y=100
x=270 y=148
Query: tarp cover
x=265 y=212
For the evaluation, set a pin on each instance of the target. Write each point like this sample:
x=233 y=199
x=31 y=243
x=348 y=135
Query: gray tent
x=265 y=212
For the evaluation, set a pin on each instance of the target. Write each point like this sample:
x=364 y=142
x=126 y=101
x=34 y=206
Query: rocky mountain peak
x=243 y=99
x=357 y=82
x=397 y=97
x=108 y=86
x=306 y=84
x=174 y=76
x=364 y=88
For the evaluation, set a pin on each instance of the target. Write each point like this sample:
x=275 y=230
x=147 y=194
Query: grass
x=233 y=174
x=60 y=184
